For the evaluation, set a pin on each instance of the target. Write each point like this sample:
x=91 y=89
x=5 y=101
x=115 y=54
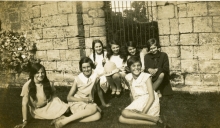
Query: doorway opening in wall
x=130 y=21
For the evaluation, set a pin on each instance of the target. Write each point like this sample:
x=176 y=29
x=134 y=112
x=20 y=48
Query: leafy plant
x=15 y=52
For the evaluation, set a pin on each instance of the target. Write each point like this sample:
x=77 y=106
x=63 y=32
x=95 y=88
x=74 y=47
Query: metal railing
x=130 y=21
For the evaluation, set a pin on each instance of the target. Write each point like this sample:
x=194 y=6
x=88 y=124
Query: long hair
x=86 y=60
x=93 y=48
x=110 y=52
x=132 y=44
x=45 y=82
x=151 y=42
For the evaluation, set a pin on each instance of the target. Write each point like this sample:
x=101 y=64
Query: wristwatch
x=24 y=120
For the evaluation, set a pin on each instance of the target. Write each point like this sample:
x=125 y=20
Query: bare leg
x=159 y=80
x=134 y=121
x=91 y=118
x=117 y=80
x=138 y=116
x=89 y=110
x=111 y=83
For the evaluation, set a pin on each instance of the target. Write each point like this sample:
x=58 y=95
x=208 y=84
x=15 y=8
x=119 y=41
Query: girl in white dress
x=145 y=107
x=115 y=55
x=81 y=95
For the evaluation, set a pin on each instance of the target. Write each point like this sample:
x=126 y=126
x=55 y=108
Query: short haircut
x=132 y=60
x=151 y=42
x=86 y=60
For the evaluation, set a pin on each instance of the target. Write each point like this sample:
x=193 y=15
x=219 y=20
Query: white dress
x=140 y=94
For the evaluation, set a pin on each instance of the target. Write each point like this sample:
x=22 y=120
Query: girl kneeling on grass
x=145 y=106
x=81 y=95
x=39 y=95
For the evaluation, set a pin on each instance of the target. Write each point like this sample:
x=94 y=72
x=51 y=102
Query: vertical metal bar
x=132 y=29
x=116 y=28
x=127 y=21
x=152 y=17
x=123 y=22
x=148 y=20
x=119 y=23
x=111 y=13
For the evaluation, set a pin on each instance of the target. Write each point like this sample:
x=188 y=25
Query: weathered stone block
x=72 y=31
x=96 y=4
x=210 y=79
x=51 y=21
x=87 y=19
x=41 y=55
x=60 y=43
x=73 y=54
x=160 y=3
x=55 y=76
x=165 y=12
x=88 y=51
x=193 y=80
x=99 y=22
x=211 y=66
x=209 y=38
x=216 y=52
x=174 y=40
x=50 y=65
x=216 y=24
x=68 y=77
x=49 y=9
x=68 y=65
x=189 y=39
x=88 y=42
x=164 y=40
x=172 y=51
x=164 y=27
x=62 y=55
x=53 y=33
x=174 y=26
x=176 y=79
x=213 y=8
x=75 y=19
x=182 y=10
x=203 y=52
x=65 y=7
x=97 y=31
x=75 y=43
x=202 y=24
x=197 y=9
x=14 y=17
x=189 y=66
x=46 y=44
x=36 y=12
x=187 y=52
x=53 y=55
x=87 y=30
x=96 y=13
x=175 y=64
x=185 y=25
x=36 y=23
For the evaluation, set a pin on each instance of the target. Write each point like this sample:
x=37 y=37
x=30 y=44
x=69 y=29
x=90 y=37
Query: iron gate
x=130 y=21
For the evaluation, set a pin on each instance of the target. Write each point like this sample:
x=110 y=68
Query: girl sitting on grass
x=81 y=96
x=145 y=107
x=39 y=95
x=157 y=64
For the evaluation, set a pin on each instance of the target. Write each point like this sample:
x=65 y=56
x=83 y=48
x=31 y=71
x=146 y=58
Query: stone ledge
x=197 y=89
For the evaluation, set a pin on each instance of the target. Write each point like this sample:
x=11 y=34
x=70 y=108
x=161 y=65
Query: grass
x=182 y=110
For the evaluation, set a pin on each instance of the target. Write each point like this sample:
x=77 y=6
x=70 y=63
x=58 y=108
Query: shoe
x=118 y=94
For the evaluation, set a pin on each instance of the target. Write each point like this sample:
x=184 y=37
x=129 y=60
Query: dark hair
x=151 y=42
x=35 y=67
x=132 y=44
x=86 y=60
x=132 y=60
x=110 y=53
x=93 y=47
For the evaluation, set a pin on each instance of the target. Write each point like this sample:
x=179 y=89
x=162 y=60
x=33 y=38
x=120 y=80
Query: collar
x=157 y=55
x=85 y=79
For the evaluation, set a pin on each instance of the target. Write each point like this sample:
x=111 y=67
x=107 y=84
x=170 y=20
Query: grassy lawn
x=182 y=110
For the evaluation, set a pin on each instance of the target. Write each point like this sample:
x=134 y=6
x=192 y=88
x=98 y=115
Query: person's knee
x=161 y=76
x=116 y=76
x=97 y=116
x=125 y=113
x=92 y=108
x=121 y=119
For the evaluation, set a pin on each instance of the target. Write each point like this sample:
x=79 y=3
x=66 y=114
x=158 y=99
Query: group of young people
x=145 y=75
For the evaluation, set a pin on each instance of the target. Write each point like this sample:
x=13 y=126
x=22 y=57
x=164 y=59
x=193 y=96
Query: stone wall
x=64 y=31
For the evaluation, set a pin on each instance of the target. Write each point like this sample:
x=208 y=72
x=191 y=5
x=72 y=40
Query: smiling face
x=87 y=69
x=153 y=49
x=132 y=50
x=98 y=48
x=39 y=76
x=135 y=69
x=115 y=49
